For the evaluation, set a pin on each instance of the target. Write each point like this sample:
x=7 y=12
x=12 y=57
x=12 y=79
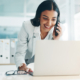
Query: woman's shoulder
x=28 y=26
x=28 y=23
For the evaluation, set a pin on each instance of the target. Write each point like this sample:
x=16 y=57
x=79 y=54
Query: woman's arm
x=21 y=47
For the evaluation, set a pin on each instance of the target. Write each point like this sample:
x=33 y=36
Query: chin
x=47 y=30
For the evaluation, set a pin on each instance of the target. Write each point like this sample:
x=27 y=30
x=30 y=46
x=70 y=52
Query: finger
x=30 y=70
x=59 y=29
x=59 y=26
x=27 y=70
x=60 y=33
x=59 y=23
x=24 y=64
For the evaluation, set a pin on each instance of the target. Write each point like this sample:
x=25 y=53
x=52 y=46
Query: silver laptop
x=54 y=57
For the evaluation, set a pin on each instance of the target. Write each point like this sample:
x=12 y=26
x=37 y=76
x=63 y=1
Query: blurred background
x=14 y=12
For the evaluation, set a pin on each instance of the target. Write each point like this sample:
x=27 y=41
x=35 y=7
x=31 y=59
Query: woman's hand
x=59 y=32
x=25 y=68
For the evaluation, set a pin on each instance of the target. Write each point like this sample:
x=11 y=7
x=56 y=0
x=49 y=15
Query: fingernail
x=27 y=70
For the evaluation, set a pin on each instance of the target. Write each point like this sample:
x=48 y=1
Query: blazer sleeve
x=21 y=46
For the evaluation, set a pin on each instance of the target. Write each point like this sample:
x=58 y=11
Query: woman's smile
x=47 y=27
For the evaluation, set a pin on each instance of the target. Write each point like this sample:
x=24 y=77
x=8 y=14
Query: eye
x=45 y=18
x=53 y=19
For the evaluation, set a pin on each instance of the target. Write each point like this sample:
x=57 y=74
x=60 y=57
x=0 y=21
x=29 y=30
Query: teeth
x=47 y=26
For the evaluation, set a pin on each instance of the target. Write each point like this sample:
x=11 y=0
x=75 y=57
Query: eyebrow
x=47 y=16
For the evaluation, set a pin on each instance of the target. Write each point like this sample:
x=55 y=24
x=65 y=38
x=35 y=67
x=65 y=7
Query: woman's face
x=48 y=19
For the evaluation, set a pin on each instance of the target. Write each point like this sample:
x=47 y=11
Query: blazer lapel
x=36 y=36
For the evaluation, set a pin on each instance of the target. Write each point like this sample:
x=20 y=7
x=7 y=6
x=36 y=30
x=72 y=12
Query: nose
x=49 y=23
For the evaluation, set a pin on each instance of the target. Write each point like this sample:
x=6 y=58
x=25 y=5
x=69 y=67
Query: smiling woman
x=43 y=26
x=47 y=21
x=47 y=16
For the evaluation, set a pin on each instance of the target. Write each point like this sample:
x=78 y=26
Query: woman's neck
x=43 y=34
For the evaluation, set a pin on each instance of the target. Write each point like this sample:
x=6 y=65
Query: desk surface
x=27 y=77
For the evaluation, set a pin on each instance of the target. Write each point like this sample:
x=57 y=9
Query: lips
x=48 y=27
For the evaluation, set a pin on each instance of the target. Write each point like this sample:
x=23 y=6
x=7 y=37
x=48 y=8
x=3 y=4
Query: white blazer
x=27 y=38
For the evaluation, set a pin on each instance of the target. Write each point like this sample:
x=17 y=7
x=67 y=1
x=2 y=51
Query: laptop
x=57 y=58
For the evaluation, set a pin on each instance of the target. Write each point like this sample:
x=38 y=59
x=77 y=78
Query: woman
x=42 y=27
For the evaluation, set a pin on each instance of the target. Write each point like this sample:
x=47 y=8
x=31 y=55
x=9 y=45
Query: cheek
x=42 y=21
x=54 y=23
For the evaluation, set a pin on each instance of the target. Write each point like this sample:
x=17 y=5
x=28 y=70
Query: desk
x=27 y=77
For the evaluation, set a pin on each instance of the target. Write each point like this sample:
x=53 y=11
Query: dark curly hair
x=45 y=5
